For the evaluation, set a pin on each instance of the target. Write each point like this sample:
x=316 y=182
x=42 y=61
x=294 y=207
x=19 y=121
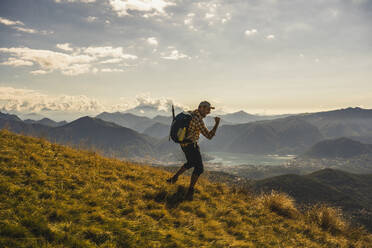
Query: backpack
x=179 y=126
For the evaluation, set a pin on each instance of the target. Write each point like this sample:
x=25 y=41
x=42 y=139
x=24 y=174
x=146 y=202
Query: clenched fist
x=217 y=119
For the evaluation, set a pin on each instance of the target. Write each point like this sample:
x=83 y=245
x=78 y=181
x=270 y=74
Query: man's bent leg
x=181 y=170
x=186 y=166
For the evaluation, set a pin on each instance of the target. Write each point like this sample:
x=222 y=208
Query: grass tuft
x=279 y=203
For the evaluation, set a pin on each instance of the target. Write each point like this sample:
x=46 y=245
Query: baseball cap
x=205 y=104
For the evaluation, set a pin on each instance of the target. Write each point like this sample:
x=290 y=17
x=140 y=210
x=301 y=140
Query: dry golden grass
x=56 y=196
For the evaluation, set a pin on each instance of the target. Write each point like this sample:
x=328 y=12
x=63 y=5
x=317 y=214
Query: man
x=191 y=149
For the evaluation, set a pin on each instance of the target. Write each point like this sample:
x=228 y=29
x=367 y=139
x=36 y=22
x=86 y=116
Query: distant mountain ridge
x=47 y=122
x=128 y=120
x=288 y=135
x=284 y=135
x=347 y=122
x=145 y=124
x=9 y=117
x=340 y=147
x=110 y=138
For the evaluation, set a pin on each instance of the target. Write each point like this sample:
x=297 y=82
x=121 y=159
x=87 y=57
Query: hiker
x=191 y=148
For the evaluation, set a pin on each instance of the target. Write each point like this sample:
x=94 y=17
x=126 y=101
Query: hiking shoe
x=190 y=195
x=172 y=180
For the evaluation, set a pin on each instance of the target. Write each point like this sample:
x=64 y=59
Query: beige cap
x=205 y=104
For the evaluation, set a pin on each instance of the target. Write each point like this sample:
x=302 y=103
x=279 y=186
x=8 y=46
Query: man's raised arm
x=209 y=134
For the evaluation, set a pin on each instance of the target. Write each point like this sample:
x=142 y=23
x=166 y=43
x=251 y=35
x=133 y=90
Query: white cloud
x=91 y=19
x=250 y=32
x=270 y=37
x=226 y=18
x=152 y=41
x=8 y=22
x=65 y=47
x=209 y=15
x=213 y=12
x=175 y=55
x=20 y=26
x=79 y=62
x=188 y=21
x=161 y=104
x=50 y=60
x=38 y=72
x=111 y=61
x=111 y=70
x=121 y=7
x=17 y=62
x=26 y=101
x=26 y=30
x=108 y=51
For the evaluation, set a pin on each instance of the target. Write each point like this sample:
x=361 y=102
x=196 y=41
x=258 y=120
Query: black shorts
x=193 y=157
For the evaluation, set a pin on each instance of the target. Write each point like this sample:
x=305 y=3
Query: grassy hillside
x=56 y=196
x=351 y=192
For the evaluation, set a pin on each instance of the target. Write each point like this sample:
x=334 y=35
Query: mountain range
x=88 y=132
x=338 y=148
x=286 y=135
x=47 y=122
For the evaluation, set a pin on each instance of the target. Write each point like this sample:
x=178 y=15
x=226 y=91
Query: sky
x=262 y=56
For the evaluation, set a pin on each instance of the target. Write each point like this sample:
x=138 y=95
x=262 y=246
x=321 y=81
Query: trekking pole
x=173 y=115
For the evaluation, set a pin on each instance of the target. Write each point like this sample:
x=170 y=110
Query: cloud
x=38 y=72
x=108 y=51
x=8 y=22
x=189 y=21
x=112 y=61
x=152 y=41
x=121 y=7
x=226 y=18
x=26 y=30
x=50 y=60
x=213 y=12
x=77 y=63
x=111 y=70
x=250 y=32
x=19 y=26
x=208 y=15
x=175 y=55
x=17 y=62
x=91 y=19
x=25 y=101
x=65 y=47
x=149 y=106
